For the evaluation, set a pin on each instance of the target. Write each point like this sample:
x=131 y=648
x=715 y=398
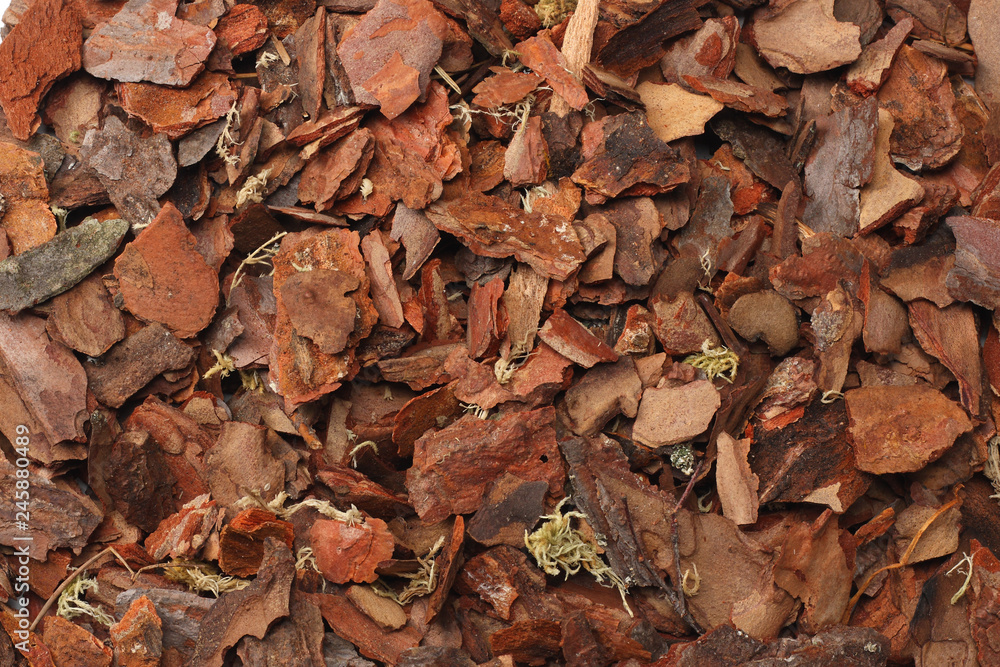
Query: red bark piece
x=839 y=166
x=637 y=224
x=526 y=161
x=418 y=235
x=350 y=623
x=163 y=278
x=40 y=50
x=670 y=415
x=26 y=221
x=84 y=318
x=976 y=274
x=177 y=111
x=825 y=260
x=182 y=535
x=138 y=637
x=243 y=461
x=711 y=51
x=869 y=71
x=242 y=29
x=950 y=335
x=304 y=371
x=453 y=467
x=817 y=566
x=319 y=307
x=502 y=575
x=927 y=132
x=804 y=36
x=336 y=172
x=241 y=543
x=740 y=96
x=901 y=429
x=534 y=641
x=347 y=552
x=485 y=323
x=737 y=485
x=413 y=153
x=544 y=59
x=145 y=41
x=383 y=285
x=504 y=87
x=134 y=171
x=250 y=611
x=680 y=324
x=393 y=40
x=439 y=323
x=627 y=158
x=491 y=227
x=519 y=18
x=574 y=341
x=42 y=387
x=72 y=646
x=447 y=564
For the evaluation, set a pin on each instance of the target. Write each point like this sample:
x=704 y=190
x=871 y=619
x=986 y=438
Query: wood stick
x=577 y=43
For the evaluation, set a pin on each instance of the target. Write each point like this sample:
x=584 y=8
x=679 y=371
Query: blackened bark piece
x=809 y=460
x=628 y=158
x=135 y=171
x=145 y=41
x=453 y=467
x=249 y=611
x=761 y=150
x=43 y=48
x=133 y=363
x=840 y=165
x=976 y=274
x=641 y=43
x=138 y=480
x=53 y=267
x=61 y=515
x=41 y=388
x=491 y=227
x=623 y=509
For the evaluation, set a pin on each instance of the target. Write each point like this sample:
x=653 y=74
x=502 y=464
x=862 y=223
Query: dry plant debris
x=314 y=315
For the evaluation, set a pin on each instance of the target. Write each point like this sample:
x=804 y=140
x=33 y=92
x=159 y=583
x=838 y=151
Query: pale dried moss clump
x=554 y=12
x=421 y=583
x=557 y=547
x=715 y=361
x=203 y=578
x=71 y=603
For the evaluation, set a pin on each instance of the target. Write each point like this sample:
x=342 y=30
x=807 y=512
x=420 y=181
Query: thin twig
x=680 y=603
x=56 y=593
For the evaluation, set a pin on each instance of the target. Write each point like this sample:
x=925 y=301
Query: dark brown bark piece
x=532 y=641
x=901 y=429
x=605 y=391
x=249 y=611
x=65 y=517
x=511 y=507
x=669 y=415
x=138 y=480
x=145 y=41
x=42 y=387
x=453 y=467
x=626 y=157
x=976 y=274
x=839 y=166
x=42 y=49
x=950 y=334
x=493 y=228
x=809 y=460
x=135 y=171
x=740 y=96
x=768 y=316
x=241 y=542
x=133 y=363
x=641 y=43
x=310 y=51
x=927 y=133
x=54 y=267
